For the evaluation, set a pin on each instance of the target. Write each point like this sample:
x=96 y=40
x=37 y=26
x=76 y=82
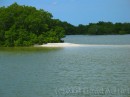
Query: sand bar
x=59 y=45
x=77 y=45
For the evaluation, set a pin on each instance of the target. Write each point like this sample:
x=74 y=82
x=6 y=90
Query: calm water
x=97 y=71
x=99 y=39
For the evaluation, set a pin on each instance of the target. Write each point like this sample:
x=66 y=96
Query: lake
x=91 y=71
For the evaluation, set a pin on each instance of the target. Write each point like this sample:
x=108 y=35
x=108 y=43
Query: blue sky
x=81 y=11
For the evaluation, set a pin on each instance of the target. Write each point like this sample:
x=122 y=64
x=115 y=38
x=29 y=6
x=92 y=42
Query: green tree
x=26 y=26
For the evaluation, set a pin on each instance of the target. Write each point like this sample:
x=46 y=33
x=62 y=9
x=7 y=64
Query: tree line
x=103 y=28
x=22 y=25
x=100 y=28
x=26 y=26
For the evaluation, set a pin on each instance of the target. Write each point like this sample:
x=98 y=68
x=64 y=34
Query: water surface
x=99 y=39
x=99 y=71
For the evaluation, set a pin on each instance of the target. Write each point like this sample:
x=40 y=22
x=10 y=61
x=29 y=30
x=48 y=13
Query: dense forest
x=22 y=25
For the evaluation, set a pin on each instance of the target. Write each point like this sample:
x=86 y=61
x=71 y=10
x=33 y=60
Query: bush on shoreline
x=26 y=26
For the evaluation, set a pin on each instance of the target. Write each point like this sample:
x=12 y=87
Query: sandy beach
x=76 y=45
x=59 y=45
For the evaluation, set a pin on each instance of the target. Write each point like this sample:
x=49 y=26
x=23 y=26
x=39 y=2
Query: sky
x=81 y=11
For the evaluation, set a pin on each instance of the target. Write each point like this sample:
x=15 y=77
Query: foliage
x=26 y=26
x=100 y=28
x=104 y=28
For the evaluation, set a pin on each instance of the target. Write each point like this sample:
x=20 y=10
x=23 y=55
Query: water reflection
x=27 y=49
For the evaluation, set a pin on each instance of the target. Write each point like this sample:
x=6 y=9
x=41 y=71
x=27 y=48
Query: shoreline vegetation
x=23 y=26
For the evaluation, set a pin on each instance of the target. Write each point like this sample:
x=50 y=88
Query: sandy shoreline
x=59 y=45
x=76 y=45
